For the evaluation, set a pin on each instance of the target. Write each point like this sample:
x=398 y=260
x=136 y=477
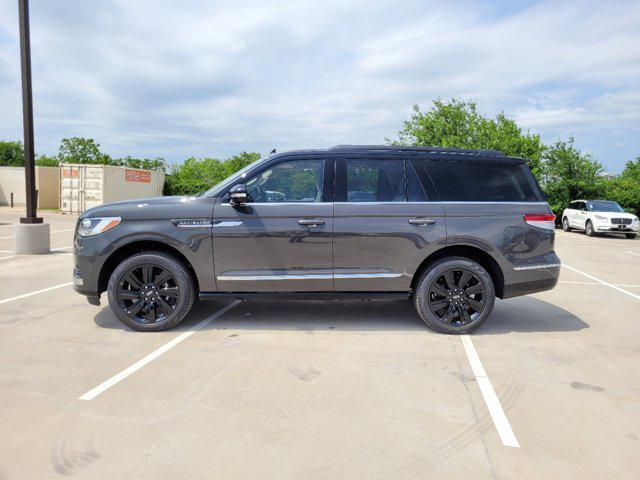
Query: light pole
x=31 y=235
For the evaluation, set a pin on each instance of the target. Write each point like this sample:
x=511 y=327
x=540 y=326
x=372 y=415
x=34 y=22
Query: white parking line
x=7 y=258
x=488 y=393
x=633 y=253
x=615 y=287
x=91 y=394
x=53 y=250
x=598 y=283
x=25 y=295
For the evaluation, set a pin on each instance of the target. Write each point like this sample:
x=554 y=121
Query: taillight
x=541 y=220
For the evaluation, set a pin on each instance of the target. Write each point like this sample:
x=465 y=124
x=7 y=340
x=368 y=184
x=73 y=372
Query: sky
x=205 y=78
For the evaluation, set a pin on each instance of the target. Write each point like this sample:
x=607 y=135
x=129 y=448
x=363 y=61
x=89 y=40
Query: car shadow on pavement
x=524 y=314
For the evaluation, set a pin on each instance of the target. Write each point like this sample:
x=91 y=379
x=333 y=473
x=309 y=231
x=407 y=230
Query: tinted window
x=603 y=206
x=294 y=181
x=480 y=182
x=415 y=192
x=375 y=180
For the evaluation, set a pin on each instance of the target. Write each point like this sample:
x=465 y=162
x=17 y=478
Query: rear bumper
x=531 y=279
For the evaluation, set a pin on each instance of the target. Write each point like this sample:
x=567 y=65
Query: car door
x=572 y=213
x=581 y=215
x=279 y=241
x=384 y=223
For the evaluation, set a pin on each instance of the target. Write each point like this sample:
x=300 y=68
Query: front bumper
x=612 y=228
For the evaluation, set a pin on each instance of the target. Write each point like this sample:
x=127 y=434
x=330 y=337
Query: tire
x=630 y=236
x=151 y=291
x=565 y=224
x=588 y=229
x=456 y=300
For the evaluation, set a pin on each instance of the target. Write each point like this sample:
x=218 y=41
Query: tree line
x=563 y=170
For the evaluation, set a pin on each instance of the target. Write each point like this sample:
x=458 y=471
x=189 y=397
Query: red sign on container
x=132 y=175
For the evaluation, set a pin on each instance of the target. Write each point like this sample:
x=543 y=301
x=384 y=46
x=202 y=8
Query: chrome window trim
x=278 y=203
x=536 y=267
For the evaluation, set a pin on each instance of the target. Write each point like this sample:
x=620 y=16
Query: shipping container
x=86 y=186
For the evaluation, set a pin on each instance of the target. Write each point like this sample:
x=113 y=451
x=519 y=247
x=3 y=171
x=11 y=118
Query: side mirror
x=238 y=194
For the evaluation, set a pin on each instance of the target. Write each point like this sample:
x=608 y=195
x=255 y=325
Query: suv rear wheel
x=454 y=295
x=151 y=291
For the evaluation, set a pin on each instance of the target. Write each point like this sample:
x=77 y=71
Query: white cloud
x=205 y=78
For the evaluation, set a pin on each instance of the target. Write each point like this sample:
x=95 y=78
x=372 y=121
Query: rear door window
x=475 y=181
x=375 y=180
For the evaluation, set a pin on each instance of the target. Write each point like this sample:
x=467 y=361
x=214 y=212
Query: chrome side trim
x=232 y=223
x=251 y=278
x=536 y=267
x=339 y=276
x=307 y=277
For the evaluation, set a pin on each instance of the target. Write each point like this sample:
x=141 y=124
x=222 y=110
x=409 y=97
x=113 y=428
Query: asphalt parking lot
x=317 y=390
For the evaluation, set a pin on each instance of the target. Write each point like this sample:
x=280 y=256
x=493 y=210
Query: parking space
x=352 y=389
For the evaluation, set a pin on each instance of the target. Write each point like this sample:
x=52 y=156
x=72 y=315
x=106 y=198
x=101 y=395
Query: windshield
x=604 y=206
x=216 y=189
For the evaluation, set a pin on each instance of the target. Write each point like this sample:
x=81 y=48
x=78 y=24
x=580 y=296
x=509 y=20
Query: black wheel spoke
x=147 y=271
x=166 y=308
x=135 y=308
x=477 y=288
x=448 y=276
x=475 y=304
x=439 y=305
x=150 y=314
x=128 y=294
x=464 y=279
x=132 y=280
x=162 y=278
x=464 y=313
x=170 y=292
x=437 y=289
x=449 y=314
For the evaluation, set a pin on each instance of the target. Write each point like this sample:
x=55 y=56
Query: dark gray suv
x=450 y=229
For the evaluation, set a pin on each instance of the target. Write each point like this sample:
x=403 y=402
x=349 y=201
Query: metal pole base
x=31 y=220
x=31 y=238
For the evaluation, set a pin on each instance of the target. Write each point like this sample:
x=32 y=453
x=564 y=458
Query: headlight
x=635 y=220
x=602 y=218
x=94 y=226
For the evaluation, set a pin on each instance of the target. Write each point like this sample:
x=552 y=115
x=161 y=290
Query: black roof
x=437 y=152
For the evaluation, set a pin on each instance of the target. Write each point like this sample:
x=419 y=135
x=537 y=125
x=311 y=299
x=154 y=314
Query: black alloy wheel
x=454 y=295
x=151 y=291
x=457 y=297
x=148 y=293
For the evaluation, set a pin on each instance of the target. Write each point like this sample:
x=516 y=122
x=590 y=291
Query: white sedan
x=599 y=216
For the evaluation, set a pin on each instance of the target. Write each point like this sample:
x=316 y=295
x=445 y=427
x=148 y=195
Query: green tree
x=568 y=174
x=11 y=154
x=198 y=175
x=157 y=163
x=626 y=188
x=82 y=150
x=46 y=161
x=457 y=123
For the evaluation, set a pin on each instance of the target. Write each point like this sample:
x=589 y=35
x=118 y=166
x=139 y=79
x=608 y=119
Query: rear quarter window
x=469 y=181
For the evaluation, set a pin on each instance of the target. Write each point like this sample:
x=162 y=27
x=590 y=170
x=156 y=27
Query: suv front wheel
x=151 y=291
x=454 y=295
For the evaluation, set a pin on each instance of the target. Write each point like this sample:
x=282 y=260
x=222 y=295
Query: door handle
x=311 y=222
x=422 y=221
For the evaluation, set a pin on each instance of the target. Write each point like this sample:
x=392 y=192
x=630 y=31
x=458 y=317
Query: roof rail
x=408 y=148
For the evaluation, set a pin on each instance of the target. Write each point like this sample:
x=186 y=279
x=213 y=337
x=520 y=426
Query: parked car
x=449 y=229
x=594 y=216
